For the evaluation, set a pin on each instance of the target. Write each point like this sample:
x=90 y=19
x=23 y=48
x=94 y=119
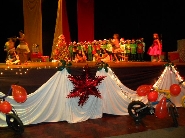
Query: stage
x=34 y=74
x=90 y=64
x=132 y=74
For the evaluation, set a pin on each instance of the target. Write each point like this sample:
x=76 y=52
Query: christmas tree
x=61 y=50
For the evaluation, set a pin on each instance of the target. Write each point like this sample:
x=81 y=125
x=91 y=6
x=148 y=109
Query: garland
x=64 y=64
x=102 y=65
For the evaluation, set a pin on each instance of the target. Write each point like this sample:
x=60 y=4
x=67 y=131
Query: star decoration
x=85 y=85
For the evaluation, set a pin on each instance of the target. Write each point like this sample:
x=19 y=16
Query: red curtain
x=85 y=17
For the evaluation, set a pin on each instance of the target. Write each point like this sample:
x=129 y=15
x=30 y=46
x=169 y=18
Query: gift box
x=36 y=56
x=181 y=49
x=173 y=56
x=45 y=58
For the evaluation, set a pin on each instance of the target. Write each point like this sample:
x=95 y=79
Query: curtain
x=85 y=17
x=33 y=22
x=62 y=26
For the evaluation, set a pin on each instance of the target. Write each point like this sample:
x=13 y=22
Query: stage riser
x=132 y=77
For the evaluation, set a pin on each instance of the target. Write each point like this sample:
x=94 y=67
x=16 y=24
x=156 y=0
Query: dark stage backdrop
x=129 y=18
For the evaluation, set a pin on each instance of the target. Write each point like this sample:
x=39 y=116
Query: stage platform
x=131 y=74
x=90 y=64
x=32 y=75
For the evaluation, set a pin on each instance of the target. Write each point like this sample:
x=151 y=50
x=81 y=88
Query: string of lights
x=125 y=93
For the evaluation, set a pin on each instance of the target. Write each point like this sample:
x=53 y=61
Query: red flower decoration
x=85 y=85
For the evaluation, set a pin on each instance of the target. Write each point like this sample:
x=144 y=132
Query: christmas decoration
x=152 y=96
x=175 y=89
x=19 y=93
x=161 y=110
x=61 y=50
x=64 y=64
x=102 y=65
x=169 y=64
x=5 y=107
x=85 y=85
x=143 y=90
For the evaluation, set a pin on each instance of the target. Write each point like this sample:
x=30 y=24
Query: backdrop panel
x=62 y=26
x=85 y=17
x=33 y=22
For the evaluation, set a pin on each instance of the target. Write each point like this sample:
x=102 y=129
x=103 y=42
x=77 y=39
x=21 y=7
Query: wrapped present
x=45 y=58
x=35 y=56
x=181 y=49
x=173 y=56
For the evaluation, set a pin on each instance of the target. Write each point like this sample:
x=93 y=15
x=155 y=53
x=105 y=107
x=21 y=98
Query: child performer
x=85 y=46
x=12 y=56
x=109 y=49
x=105 y=57
x=140 y=50
x=71 y=51
x=89 y=51
x=127 y=49
x=23 y=46
x=133 y=47
x=122 y=46
x=156 y=49
x=74 y=50
x=80 y=57
x=116 y=47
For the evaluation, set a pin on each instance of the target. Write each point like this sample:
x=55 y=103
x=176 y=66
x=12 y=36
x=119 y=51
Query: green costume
x=89 y=53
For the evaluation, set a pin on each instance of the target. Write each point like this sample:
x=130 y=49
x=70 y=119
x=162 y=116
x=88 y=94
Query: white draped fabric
x=115 y=96
x=168 y=77
x=49 y=102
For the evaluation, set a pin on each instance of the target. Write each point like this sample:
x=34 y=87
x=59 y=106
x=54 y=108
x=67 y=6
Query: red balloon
x=5 y=107
x=152 y=96
x=19 y=94
x=143 y=90
x=161 y=109
x=175 y=89
x=0 y=106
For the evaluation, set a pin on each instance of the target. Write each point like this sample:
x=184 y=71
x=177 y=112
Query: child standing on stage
x=74 y=50
x=71 y=51
x=109 y=48
x=116 y=47
x=140 y=50
x=133 y=47
x=89 y=51
x=122 y=46
x=127 y=49
x=156 y=49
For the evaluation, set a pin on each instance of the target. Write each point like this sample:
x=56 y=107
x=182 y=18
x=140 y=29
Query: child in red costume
x=156 y=49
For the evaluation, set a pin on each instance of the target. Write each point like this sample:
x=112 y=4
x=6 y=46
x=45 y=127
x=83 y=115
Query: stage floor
x=90 y=64
x=107 y=126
